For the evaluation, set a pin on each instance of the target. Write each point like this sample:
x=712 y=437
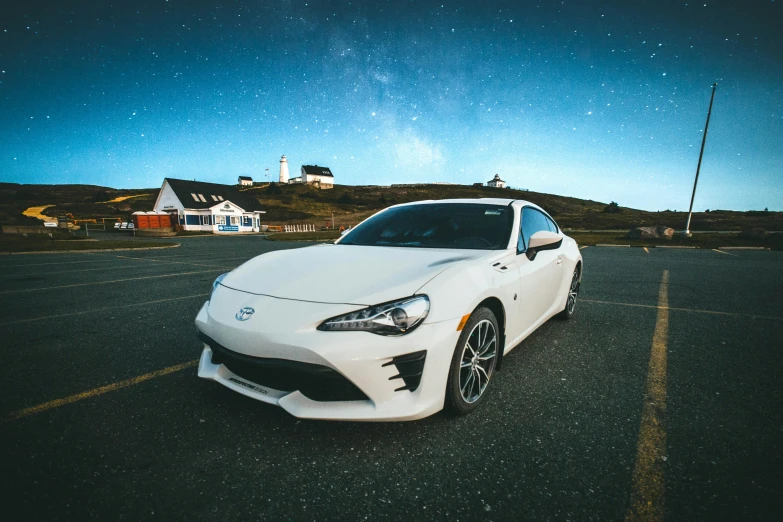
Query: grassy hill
x=83 y=201
x=290 y=204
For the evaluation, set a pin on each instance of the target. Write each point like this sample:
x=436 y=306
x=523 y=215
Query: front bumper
x=278 y=357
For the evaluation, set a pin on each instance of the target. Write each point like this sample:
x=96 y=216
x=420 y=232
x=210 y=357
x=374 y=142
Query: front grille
x=409 y=368
x=316 y=382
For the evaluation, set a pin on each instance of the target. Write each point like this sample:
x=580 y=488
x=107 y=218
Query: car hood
x=344 y=274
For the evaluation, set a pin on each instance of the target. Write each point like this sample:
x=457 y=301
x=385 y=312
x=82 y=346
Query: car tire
x=472 y=369
x=573 y=293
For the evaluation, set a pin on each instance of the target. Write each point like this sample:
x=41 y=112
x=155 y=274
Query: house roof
x=317 y=171
x=212 y=193
x=245 y=178
x=496 y=178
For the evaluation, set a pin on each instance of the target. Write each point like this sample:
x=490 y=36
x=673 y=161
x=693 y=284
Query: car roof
x=483 y=201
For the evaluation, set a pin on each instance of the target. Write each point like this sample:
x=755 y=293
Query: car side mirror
x=543 y=240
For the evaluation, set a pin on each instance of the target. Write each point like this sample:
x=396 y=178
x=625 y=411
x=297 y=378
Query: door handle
x=559 y=260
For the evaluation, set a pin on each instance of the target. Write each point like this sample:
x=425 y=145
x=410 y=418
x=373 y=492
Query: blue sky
x=599 y=100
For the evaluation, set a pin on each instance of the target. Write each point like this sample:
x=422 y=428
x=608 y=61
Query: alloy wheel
x=573 y=291
x=477 y=361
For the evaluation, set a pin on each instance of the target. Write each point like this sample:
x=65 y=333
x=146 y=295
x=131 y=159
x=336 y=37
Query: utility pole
x=698 y=166
x=267 y=175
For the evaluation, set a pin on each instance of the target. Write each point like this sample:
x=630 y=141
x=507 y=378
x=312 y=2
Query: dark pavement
x=556 y=441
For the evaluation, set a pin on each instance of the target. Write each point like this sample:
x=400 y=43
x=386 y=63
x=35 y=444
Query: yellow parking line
x=645 y=249
x=647 y=482
x=95 y=392
x=96 y=310
x=695 y=310
x=583 y=247
x=176 y=274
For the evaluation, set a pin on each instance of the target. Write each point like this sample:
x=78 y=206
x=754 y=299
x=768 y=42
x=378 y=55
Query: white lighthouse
x=283 y=170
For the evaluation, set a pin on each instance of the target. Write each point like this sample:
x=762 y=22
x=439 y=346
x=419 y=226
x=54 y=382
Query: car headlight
x=216 y=283
x=393 y=318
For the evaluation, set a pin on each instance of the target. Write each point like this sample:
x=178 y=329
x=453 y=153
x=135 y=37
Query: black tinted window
x=532 y=222
x=437 y=225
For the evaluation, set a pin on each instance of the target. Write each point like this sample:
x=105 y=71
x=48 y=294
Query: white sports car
x=410 y=311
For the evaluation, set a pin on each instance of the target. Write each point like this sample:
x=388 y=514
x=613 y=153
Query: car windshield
x=437 y=225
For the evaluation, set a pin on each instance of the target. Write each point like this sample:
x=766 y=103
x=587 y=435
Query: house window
x=234 y=221
x=220 y=198
x=192 y=219
x=214 y=198
x=195 y=197
x=201 y=197
x=221 y=220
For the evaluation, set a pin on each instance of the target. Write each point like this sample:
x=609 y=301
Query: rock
x=753 y=233
x=664 y=232
x=660 y=231
x=642 y=233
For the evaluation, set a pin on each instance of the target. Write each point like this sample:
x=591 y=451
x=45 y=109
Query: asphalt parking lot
x=103 y=416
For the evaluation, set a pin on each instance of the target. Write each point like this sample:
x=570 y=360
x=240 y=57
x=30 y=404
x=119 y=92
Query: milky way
x=601 y=100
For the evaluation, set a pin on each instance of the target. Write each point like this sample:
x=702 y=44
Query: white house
x=496 y=182
x=208 y=207
x=315 y=175
x=245 y=181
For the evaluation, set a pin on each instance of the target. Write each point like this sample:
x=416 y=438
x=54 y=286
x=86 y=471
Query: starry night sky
x=601 y=100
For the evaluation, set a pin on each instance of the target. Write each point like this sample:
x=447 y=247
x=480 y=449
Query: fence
x=306 y=227
x=299 y=228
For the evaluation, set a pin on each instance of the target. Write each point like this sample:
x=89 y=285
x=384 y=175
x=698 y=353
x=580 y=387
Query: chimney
x=283 y=170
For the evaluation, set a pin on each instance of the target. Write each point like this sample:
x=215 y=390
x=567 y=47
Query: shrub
x=273 y=189
x=612 y=208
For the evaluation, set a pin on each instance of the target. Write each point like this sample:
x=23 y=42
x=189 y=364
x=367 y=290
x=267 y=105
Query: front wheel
x=473 y=363
x=573 y=292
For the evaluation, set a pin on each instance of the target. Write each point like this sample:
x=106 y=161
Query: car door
x=539 y=279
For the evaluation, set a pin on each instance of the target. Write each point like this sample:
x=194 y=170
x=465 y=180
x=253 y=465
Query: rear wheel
x=573 y=292
x=473 y=363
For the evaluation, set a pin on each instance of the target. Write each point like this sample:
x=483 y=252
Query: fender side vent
x=409 y=368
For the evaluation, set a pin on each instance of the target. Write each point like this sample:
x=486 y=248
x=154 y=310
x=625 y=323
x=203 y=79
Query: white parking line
x=104 y=309
x=722 y=252
x=93 y=283
x=695 y=310
x=124 y=266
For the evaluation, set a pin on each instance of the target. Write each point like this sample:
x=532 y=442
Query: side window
x=551 y=224
x=532 y=222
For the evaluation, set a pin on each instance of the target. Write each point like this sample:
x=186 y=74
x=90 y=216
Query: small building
x=320 y=176
x=496 y=182
x=245 y=181
x=208 y=207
